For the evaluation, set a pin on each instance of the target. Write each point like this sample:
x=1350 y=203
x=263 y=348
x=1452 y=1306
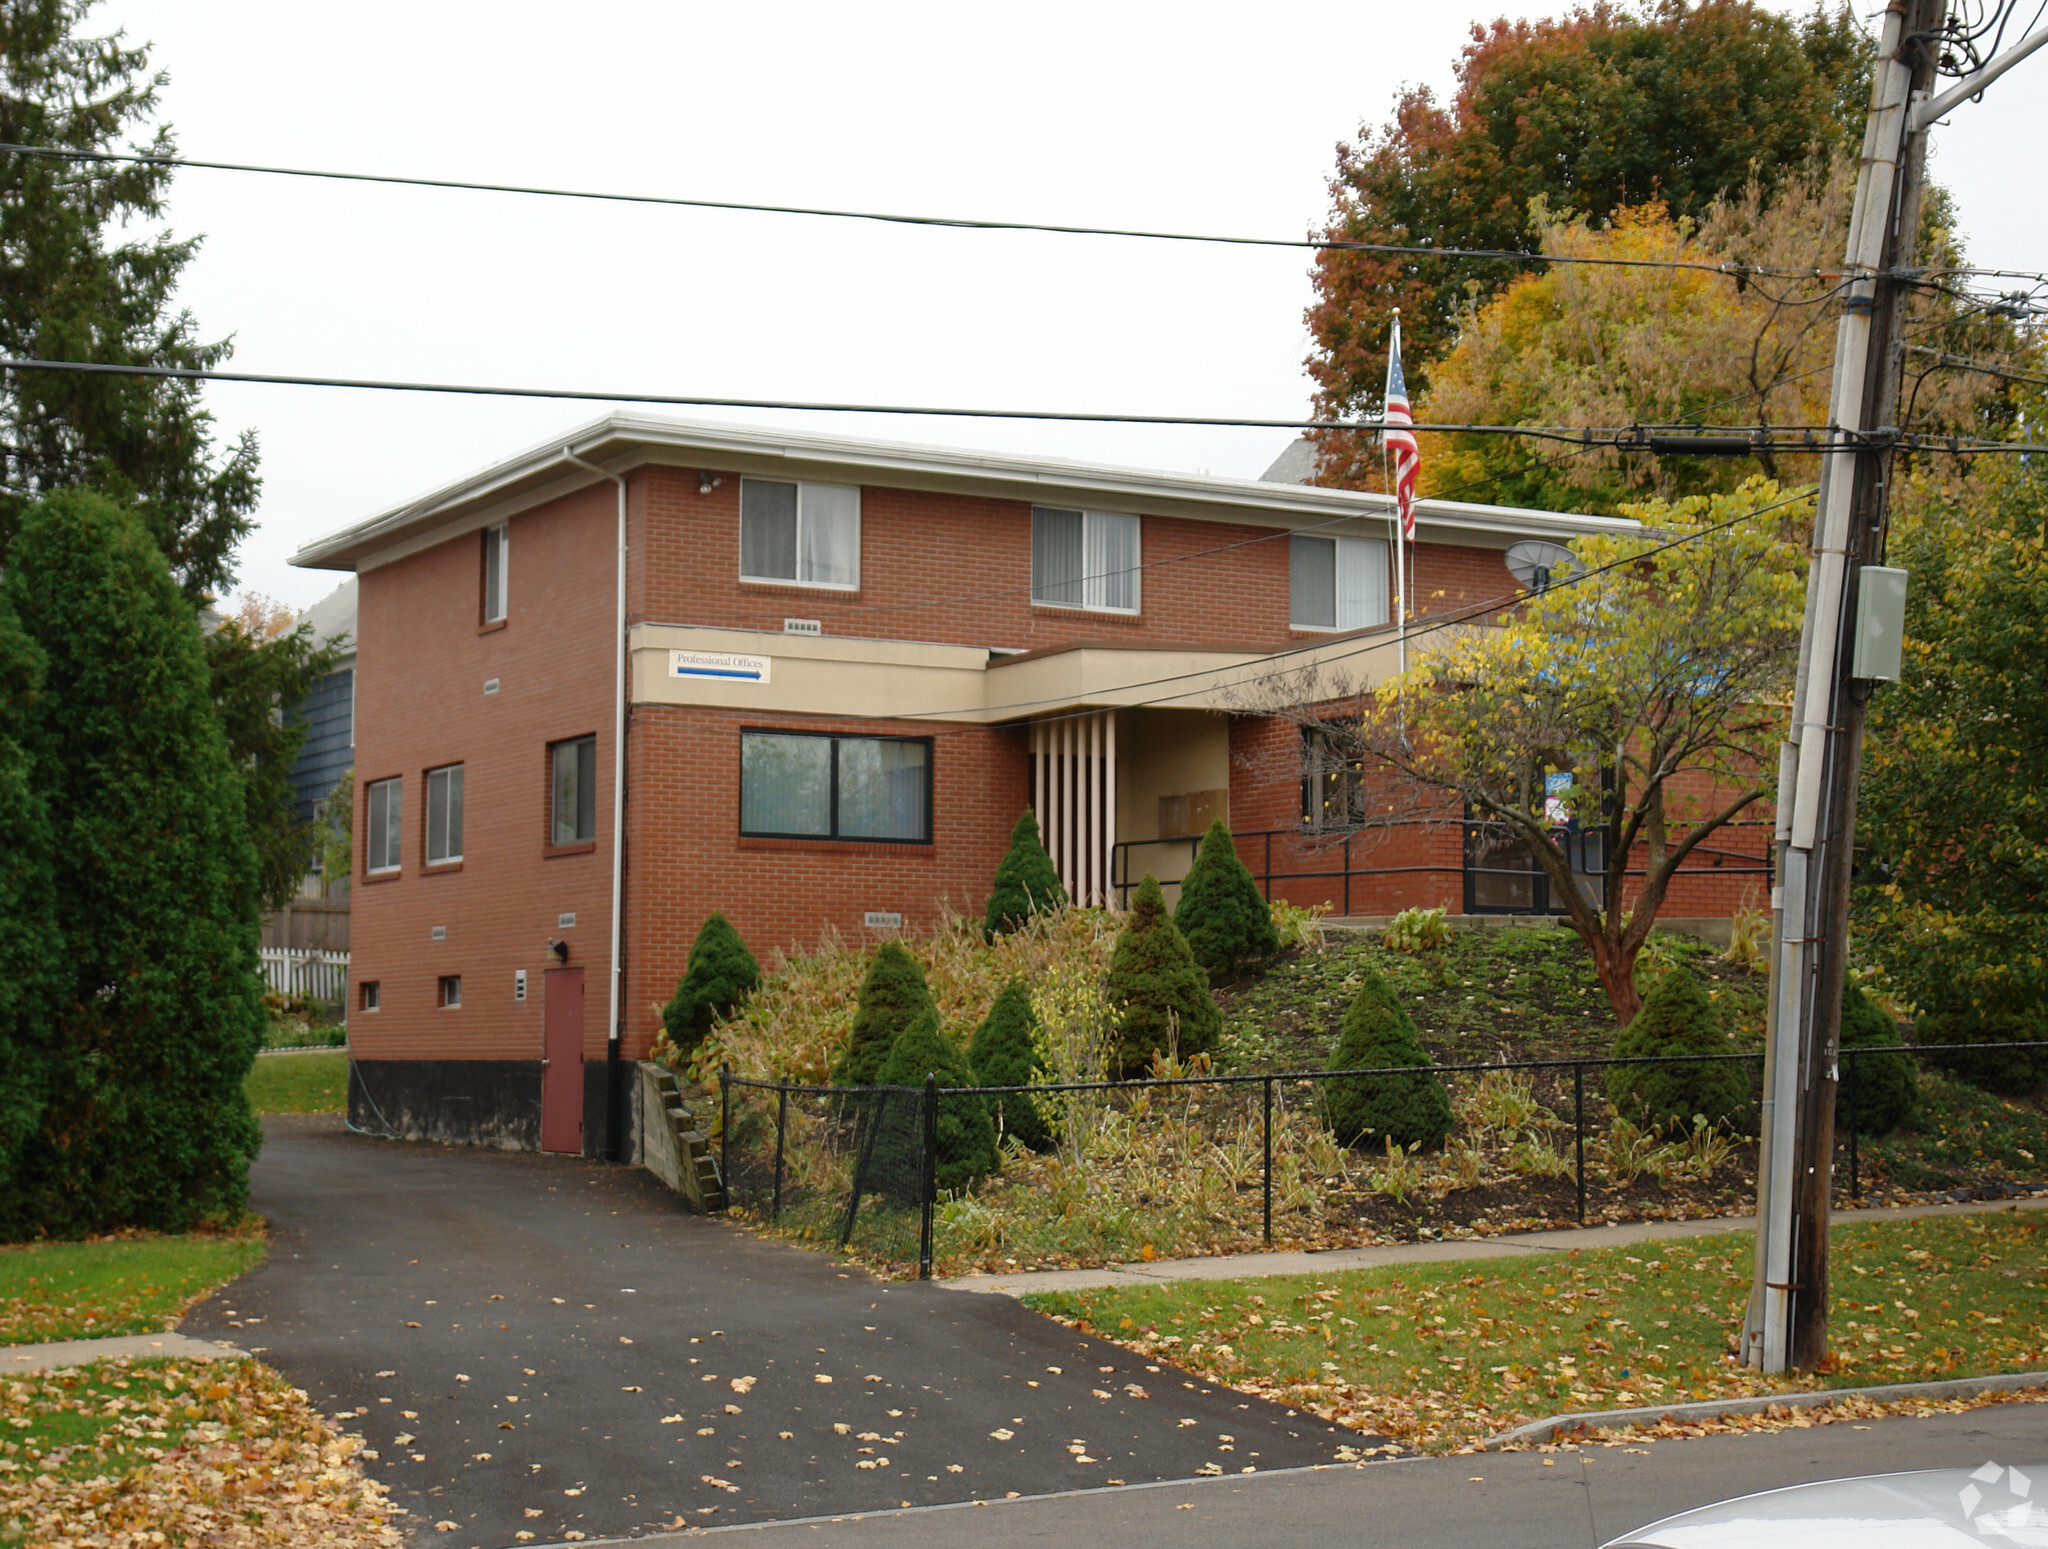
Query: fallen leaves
x=167 y=1452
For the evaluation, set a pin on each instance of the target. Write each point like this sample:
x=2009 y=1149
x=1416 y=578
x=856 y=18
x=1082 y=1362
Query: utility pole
x=1821 y=756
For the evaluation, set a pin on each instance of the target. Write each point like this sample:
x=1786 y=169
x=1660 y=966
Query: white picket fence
x=317 y=975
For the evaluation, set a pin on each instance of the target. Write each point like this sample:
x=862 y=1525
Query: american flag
x=1397 y=438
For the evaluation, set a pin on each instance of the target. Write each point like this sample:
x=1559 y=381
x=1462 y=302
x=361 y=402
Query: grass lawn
x=132 y=1285
x=179 y=1452
x=1440 y=1355
x=299 y=1083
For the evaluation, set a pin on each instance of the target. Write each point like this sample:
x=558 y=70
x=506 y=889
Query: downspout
x=617 y=1025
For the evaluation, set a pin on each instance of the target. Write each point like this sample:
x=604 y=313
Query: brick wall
x=422 y=662
x=687 y=856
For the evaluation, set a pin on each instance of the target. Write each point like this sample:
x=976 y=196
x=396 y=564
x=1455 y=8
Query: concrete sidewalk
x=25 y=1360
x=1257 y=1266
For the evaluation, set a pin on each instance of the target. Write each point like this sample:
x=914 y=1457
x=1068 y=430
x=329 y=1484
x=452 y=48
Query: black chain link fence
x=854 y=1168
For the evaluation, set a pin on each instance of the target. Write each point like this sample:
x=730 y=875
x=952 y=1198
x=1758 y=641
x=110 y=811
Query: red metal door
x=561 y=1075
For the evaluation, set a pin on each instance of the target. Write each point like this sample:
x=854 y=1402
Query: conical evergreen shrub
x=1005 y=1053
x=31 y=963
x=1677 y=1018
x=967 y=1139
x=892 y=996
x=2007 y=1072
x=1025 y=883
x=156 y=896
x=1878 y=1092
x=721 y=973
x=1369 y=1111
x=1227 y=923
x=1157 y=991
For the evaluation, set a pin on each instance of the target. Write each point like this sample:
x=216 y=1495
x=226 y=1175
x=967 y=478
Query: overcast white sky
x=1188 y=117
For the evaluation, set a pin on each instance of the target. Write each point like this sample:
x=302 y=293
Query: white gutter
x=613 y=1027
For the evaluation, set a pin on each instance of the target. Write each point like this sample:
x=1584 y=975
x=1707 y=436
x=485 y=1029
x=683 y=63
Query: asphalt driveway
x=544 y=1345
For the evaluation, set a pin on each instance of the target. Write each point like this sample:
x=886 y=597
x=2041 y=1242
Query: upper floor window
x=805 y=533
x=444 y=814
x=383 y=800
x=573 y=793
x=1336 y=583
x=803 y=785
x=495 y=549
x=1085 y=559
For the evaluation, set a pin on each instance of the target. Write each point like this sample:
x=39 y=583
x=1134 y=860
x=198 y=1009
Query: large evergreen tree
x=1157 y=991
x=156 y=898
x=1223 y=916
x=31 y=963
x=75 y=285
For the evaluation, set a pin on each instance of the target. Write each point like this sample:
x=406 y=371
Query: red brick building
x=842 y=668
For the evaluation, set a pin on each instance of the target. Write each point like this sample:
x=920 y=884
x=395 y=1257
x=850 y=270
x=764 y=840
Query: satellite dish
x=1538 y=563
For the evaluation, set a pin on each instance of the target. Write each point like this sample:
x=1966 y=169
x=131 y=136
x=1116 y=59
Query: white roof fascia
x=623 y=440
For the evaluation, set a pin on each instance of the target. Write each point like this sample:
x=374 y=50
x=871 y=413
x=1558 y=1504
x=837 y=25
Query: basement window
x=451 y=992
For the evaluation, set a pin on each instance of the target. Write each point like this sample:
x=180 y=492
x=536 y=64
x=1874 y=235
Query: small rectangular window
x=1336 y=583
x=366 y=995
x=573 y=802
x=451 y=992
x=805 y=533
x=444 y=814
x=1332 y=782
x=383 y=801
x=1085 y=559
x=495 y=555
x=799 y=785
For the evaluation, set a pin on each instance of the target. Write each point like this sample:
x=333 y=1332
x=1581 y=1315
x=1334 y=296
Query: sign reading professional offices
x=718 y=665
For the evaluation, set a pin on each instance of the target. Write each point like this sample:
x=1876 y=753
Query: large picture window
x=1085 y=559
x=573 y=791
x=805 y=533
x=800 y=785
x=444 y=814
x=1336 y=583
x=382 y=804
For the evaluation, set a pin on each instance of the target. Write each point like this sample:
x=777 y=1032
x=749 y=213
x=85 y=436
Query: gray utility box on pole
x=1880 y=623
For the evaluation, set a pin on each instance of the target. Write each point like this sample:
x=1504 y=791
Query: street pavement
x=1571 y=1499
x=546 y=1345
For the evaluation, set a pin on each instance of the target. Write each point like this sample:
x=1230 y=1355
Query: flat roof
x=621 y=441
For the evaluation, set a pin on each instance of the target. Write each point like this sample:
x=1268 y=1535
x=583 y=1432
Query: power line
x=1676 y=439
x=958 y=223
x=1380 y=638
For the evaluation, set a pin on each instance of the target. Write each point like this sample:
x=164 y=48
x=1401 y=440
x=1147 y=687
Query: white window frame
x=802 y=488
x=1094 y=588
x=439 y=783
x=390 y=796
x=1337 y=585
x=369 y=995
x=449 y=992
x=498 y=547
